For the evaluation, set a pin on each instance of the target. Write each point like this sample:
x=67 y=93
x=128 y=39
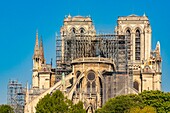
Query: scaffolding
x=15 y=97
x=72 y=46
x=117 y=48
x=115 y=83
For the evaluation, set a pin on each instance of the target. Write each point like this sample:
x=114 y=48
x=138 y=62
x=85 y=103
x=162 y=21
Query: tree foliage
x=6 y=109
x=57 y=103
x=77 y=108
x=146 y=109
x=120 y=104
x=145 y=102
x=157 y=99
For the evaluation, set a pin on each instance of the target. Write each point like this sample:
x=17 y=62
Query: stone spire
x=144 y=14
x=36 y=48
x=158 y=48
x=41 y=49
x=158 y=51
x=69 y=16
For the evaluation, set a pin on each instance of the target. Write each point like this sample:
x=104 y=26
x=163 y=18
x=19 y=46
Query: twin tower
x=94 y=67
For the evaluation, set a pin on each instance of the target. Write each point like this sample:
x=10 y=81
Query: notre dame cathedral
x=93 y=67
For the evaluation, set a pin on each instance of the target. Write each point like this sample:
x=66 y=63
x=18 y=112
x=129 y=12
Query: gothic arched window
x=78 y=74
x=128 y=37
x=128 y=32
x=136 y=85
x=73 y=30
x=82 y=30
x=91 y=82
x=137 y=45
x=88 y=87
x=91 y=76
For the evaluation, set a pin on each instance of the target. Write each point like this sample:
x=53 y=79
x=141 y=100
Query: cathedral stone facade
x=94 y=67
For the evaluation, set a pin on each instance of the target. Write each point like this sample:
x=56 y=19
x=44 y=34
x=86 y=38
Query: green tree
x=6 y=109
x=157 y=99
x=134 y=110
x=77 y=108
x=57 y=103
x=147 y=101
x=120 y=104
x=146 y=109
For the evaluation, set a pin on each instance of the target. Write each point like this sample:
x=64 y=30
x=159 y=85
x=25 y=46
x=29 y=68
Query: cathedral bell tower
x=38 y=60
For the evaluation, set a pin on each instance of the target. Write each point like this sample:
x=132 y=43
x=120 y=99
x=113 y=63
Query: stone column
x=133 y=46
x=142 y=48
x=147 y=44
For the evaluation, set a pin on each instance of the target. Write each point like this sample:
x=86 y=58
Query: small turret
x=158 y=51
x=158 y=48
x=69 y=16
x=158 y=57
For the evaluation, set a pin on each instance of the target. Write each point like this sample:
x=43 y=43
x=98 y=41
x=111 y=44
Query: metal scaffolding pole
x=16 y=95
x=73 y=46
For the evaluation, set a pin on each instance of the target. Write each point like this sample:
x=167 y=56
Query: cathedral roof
x=133 y=17
x=77 y=18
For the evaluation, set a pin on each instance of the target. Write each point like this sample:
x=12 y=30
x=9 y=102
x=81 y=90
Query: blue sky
x=19 y=20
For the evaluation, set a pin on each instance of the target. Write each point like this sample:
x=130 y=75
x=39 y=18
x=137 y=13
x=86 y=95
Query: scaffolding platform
x=15 y=96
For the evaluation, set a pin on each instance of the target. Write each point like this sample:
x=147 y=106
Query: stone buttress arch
x=70 y=93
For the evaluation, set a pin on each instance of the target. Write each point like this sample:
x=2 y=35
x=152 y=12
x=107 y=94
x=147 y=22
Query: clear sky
x=19 y=20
